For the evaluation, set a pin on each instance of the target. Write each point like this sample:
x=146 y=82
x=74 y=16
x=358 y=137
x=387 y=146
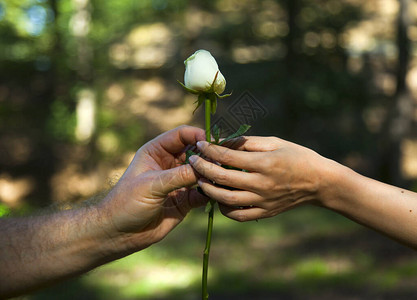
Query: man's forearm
x=36 y=251
x=385 y=208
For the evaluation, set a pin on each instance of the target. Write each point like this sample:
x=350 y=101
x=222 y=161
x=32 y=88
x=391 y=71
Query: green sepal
x=214 y=80
x=224 y=96
x=241 y=131
x=216 y=133
x=209 y=206
x=213 y=102
x=199 y=101
x=189 y=90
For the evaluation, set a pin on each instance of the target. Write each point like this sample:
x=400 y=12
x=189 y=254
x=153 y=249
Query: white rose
x=200 y=70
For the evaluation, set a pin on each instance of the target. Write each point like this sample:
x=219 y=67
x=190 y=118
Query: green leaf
x=241 y=131
x=216 y=133
x=188 y=154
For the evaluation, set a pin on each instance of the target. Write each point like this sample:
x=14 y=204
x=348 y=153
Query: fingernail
x=201 y=181
x=192 y=158
x=201 y=144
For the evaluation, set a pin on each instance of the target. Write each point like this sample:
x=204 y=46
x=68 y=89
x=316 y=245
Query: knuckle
x=267 y=164
x=230 y=199
x=225 y=157
x=220 y=177
x=210 y=150
x=213 y=150
x=271 y=143
x=199 y=165
x=241 y=216
x=183 y=126
x=185 y=172
x=268 y=185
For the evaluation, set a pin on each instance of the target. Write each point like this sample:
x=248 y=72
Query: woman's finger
x=242 y=214
x=233 y=178
x=254 y=143
x=238 y=159
x=229 y=197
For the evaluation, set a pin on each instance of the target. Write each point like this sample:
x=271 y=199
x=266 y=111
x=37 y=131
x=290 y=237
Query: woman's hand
x=280 y=175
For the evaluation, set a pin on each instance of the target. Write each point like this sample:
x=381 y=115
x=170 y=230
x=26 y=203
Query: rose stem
x=210 y=217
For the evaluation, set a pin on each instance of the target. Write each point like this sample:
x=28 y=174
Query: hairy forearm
x=40 y=250
x=385 y=208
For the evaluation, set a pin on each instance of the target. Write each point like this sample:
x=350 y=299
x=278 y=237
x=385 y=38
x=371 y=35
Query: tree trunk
x=403 y=112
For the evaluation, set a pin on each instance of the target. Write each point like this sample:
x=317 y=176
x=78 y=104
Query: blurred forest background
x=84 y=83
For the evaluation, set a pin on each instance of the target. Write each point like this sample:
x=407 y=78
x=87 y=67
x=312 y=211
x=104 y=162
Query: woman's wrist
x=334 y=184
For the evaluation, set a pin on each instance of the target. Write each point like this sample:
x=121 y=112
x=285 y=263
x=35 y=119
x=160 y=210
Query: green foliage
x=4 y=210
x=61 y=122
x=216 y=133
x=241 y=131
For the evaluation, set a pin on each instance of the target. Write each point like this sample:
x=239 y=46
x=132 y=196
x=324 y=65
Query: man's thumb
x=175 y=178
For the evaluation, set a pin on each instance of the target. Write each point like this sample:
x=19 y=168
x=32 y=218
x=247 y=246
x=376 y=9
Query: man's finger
x=196 y=199
x=176 y=140
x=173 y=179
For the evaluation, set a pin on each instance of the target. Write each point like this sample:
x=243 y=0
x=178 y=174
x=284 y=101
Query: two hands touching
x=154 y=195
x=279 y=176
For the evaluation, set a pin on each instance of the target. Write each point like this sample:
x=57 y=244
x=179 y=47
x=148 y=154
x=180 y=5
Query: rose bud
x=202 y=73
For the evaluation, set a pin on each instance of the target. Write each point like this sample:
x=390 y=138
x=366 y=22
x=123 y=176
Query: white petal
x=200 y=70
x=220 y=84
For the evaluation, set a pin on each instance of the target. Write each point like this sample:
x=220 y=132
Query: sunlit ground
x=306 y=253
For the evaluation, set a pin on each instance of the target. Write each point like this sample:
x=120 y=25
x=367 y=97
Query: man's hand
x=152 y=196
x=150 y=199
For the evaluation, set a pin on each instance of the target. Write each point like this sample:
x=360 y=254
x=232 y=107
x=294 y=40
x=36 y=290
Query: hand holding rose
x=282 y=175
